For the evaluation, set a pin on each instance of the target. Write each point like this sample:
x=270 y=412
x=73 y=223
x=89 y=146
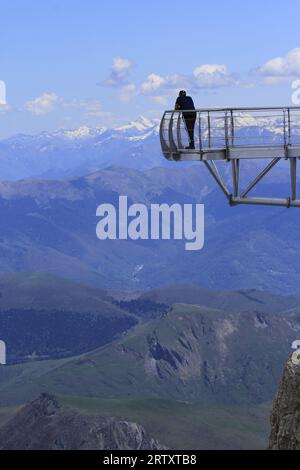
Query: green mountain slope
x=42 y=316
x=227 y=300
x=184 y=425
x=192 y=353
x=178 y=424
x=48 y=292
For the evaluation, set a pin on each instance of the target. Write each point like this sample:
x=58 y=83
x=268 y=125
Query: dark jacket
x=184 y=103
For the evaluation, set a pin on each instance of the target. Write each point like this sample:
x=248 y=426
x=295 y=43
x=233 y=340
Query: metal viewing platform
x=232 y=135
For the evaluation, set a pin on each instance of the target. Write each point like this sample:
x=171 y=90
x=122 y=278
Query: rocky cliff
x=45 y=424
x=285 y=418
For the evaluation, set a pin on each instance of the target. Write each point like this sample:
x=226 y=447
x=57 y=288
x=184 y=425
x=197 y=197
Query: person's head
x=182 y=93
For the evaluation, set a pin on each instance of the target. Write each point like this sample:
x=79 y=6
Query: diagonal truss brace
x=217 y=177
x=260 y=176
x=242 y=197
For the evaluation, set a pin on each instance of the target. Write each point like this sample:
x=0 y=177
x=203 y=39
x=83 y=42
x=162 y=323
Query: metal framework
x=233 y=135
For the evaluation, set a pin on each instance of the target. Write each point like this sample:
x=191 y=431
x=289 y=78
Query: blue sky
x=70 y=63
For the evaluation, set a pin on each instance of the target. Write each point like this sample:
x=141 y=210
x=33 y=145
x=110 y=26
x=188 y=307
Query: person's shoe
x=190 y=147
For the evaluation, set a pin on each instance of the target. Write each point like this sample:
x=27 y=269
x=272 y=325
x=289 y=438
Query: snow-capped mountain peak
x=84 y=132
x=141 y=125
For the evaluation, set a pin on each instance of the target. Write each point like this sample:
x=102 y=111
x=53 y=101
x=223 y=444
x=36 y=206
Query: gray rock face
x=285 y=418
x=45 y=424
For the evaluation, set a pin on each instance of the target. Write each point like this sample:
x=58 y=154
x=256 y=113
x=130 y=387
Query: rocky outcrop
x=45 y=424
x=285 y=418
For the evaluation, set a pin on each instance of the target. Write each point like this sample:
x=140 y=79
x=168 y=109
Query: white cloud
x=43 y=104
x=120 y=71
x=204 y=76
x=281 y=69
x=213 y=76
x=152 y=83
x=159 y=87
x=121 y=66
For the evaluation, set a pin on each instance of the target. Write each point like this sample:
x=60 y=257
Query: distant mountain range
x=50 y=226
x=79 y=152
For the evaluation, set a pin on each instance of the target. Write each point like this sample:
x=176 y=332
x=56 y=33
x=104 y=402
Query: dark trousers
x=190 y=120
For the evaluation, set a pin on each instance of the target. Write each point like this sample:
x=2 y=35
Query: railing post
x=289 y=127
x=232 y=127
x=179 y=139
x=284 y=133
x=172 y=143
x=208 y=128
x=226 y=134
x=200 y=133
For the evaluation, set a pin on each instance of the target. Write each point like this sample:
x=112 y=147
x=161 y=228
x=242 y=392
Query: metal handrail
x=262 y=108
x=228 y=126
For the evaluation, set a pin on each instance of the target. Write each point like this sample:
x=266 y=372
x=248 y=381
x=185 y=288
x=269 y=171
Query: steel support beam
x=235 y=176
x=218 y=180
x=260 y=176
x=265 y=201
x=293 y=169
